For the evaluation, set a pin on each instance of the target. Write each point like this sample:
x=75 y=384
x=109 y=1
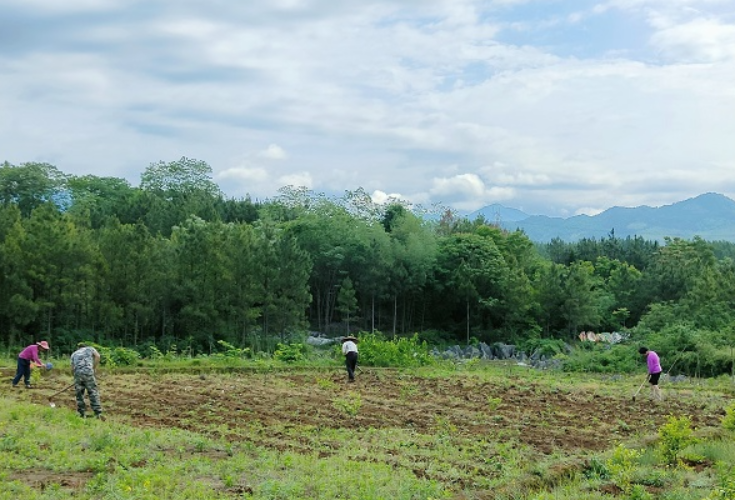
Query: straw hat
x=43 y=344
x=349 y=337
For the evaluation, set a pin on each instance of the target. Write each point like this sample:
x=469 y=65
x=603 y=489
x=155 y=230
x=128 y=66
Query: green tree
x=285 y=282
x=17 y=308
x=470 y=275
x=101 y=199
x=346 y=301
x=30 y=185
x=175 y=191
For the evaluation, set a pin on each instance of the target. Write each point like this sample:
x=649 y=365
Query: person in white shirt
x=349 y=349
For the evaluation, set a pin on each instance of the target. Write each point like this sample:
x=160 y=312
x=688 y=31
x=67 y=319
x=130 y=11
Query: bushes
x=604 y=358
x=290 y=352
x=376 y=350
x=675 y=435
x=545 y=347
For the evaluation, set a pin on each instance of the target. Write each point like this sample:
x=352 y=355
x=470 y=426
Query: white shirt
x=348 y=346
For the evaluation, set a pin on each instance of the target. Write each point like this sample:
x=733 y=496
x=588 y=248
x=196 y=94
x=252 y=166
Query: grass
x=44 y=451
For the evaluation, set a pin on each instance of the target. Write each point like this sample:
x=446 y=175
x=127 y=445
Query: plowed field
x=286 y=410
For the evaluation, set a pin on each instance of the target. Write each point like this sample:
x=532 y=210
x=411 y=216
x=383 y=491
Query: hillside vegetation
x=174 y=266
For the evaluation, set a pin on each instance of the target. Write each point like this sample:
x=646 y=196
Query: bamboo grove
x=174 y=261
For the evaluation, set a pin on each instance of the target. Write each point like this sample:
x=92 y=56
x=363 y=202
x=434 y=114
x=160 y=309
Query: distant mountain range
x=710 y=216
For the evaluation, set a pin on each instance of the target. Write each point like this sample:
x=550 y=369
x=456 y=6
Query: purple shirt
x=30 y=353
x=654 y=363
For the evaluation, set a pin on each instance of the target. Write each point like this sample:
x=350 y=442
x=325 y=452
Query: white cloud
x=244 y=174
x=434 y=98
x=700 y=40
x=382 y=198
x=468 y=191
x=273 y=152
x=298 y=179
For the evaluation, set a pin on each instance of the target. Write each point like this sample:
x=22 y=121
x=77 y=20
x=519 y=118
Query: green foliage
x=230 y=351
x=603 y=358
x=349 y=404
x=728 y=421
x=675 y=435
x=596 y=469
x=545 y=347
x=622 y=466
x=173 y=262
x=726 y=488
x=290 y=353
x=122 y=356
x=376 y=350
x=106 y=357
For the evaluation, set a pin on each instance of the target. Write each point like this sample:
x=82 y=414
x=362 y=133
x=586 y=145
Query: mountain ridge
x=711 y=216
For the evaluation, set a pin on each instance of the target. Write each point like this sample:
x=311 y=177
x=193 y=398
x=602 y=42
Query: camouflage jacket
x=82 y=361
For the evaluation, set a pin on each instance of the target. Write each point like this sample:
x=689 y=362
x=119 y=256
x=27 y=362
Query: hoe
x=51 y=403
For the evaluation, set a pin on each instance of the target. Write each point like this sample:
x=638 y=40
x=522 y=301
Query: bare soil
x=545 y=417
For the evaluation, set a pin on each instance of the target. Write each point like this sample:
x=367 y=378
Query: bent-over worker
x=349 y=349
x=84 y=362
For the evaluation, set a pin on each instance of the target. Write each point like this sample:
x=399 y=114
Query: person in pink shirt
x=654 y=371
x=26 y=358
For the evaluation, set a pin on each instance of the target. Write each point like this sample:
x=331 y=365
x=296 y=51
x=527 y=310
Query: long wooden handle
x=62 y=390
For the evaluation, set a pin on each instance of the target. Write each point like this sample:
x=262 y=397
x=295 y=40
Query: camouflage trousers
x=87 y=382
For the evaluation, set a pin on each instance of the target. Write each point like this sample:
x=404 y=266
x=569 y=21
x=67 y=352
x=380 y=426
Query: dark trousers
x=351 y=364
x=24 y=370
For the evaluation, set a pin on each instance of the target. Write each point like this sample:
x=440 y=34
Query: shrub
x=728 y=421
x=603 y=358
x=230 y=351
x=622 y=465
x=290 y=352
x=726 y=489
x=674 y=436
x=375 y=350
x=122 y=356
x=545 y=347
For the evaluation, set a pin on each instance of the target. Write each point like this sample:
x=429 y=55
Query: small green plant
x=325 y=383
x=674 y=436
x=408 y=391
x=230 y=351
x=35 y=375
x=728 y=421
x=622 y=465
x=290 y=352
x=596 y=469
x=350 y=404
x=726 y=488
x=493 y=403
x=444 y=427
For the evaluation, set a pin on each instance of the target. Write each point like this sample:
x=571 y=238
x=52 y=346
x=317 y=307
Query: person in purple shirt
x=654 y=371
x=29 y=356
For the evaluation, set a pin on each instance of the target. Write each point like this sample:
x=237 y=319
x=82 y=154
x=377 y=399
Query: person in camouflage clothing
x=84 y=362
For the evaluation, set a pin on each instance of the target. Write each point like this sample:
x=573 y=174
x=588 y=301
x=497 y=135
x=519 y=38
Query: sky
x=551 y=107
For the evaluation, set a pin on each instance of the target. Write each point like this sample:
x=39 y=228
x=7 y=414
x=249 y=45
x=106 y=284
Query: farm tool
x=640 y=387
x=51 y=403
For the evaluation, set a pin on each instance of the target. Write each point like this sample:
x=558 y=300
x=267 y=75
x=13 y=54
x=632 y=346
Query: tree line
x=175 y=262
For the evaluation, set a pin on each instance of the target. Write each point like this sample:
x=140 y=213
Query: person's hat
x=349 y=337
x=43 y=344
